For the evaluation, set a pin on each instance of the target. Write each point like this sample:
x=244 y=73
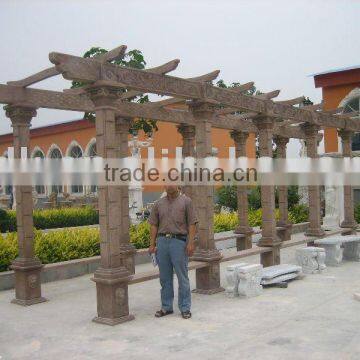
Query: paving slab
x=315 y=318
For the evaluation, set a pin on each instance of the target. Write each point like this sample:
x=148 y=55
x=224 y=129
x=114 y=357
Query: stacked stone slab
x=280 y=273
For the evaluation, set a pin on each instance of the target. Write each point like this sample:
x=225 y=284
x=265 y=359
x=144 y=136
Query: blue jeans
x=171 y=255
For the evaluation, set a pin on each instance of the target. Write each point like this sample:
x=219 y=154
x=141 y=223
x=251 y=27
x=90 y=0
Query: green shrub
x=357 y=213
x=225 y=221
x=65 y=217
x=7 y=220
x=8 y=250
x=140 y=235
x=65 y=245
x=69 y=244
x=52 y=218
x=226 y=196
x=298 y=214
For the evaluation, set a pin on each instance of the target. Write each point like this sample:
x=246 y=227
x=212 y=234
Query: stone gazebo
x=271 y=120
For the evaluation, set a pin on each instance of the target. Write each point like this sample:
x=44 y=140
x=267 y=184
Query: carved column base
x=27 y=281
x=349 y=224
x=245 y=241
x=316 y=232
x=286 y=233
x=128 y=252
x=112 y=296
x=272 y=257
x=269 y=241
x=208 y=279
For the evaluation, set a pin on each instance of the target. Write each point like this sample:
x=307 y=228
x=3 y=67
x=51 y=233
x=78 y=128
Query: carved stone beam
x=266 y=96
x=294 y=101
x=42 y=75
x=114 y=54
x=244 y=87
x=162 y=69
x=313 y=107
x=77 y=68
x=269 y=95
x=202 y=78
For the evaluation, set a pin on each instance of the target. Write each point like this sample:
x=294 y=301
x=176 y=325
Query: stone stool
x=338 y=246
x=311 y=259
x=249 y=280
x=232 y=280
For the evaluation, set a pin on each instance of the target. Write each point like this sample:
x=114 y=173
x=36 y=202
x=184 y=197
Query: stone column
x=126 y=248
x=311 y=132
x=349 y=219
x=207 y=279
x=188 y=150
x=112 y=276
x=245 y=241
x=269 y=238
x=27 y=268
x=281 y=143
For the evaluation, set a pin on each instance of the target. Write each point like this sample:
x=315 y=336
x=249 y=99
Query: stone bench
x=243 y=280
x=311 y=259
x=339 y=247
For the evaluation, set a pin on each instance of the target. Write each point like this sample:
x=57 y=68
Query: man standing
x=173 y=225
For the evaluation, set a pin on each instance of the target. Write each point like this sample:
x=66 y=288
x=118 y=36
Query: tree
x=134 y=59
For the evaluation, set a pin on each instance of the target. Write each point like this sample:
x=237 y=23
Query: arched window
x=55 y=153
x=37 y=153
x=351 y=104
x=76 y=153
x=92 y=150
x=92 y=153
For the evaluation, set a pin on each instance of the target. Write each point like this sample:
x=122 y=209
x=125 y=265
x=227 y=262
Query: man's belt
x=174 y=236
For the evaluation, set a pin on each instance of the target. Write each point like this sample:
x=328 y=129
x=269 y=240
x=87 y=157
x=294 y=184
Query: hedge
x=357 y=213
x=69 y=244
x=52 y=218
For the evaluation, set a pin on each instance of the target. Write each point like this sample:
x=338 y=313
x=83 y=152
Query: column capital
x=346 y=135
x=311 y=130
x=123 y=122
x=239 y=137
x=187 y=131
x=281 y=141
x=264 y=122
x=103 y=95
x=20 y=115
x=201 y=109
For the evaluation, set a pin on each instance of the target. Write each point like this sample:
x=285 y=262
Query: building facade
x=340 y=90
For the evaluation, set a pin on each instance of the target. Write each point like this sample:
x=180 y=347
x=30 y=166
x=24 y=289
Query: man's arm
x=153 y=233
x=190 y=248
x=191 y=220
x=154 y=224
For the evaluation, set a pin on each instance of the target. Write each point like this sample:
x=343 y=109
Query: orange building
x=340 y=89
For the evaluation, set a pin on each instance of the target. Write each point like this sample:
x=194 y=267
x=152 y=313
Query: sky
x=277 y=44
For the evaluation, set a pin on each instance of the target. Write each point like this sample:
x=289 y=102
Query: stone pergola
x=104 y=94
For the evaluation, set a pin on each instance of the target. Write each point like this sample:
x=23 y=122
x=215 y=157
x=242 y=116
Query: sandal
x=162 y=313
x=186 y=314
